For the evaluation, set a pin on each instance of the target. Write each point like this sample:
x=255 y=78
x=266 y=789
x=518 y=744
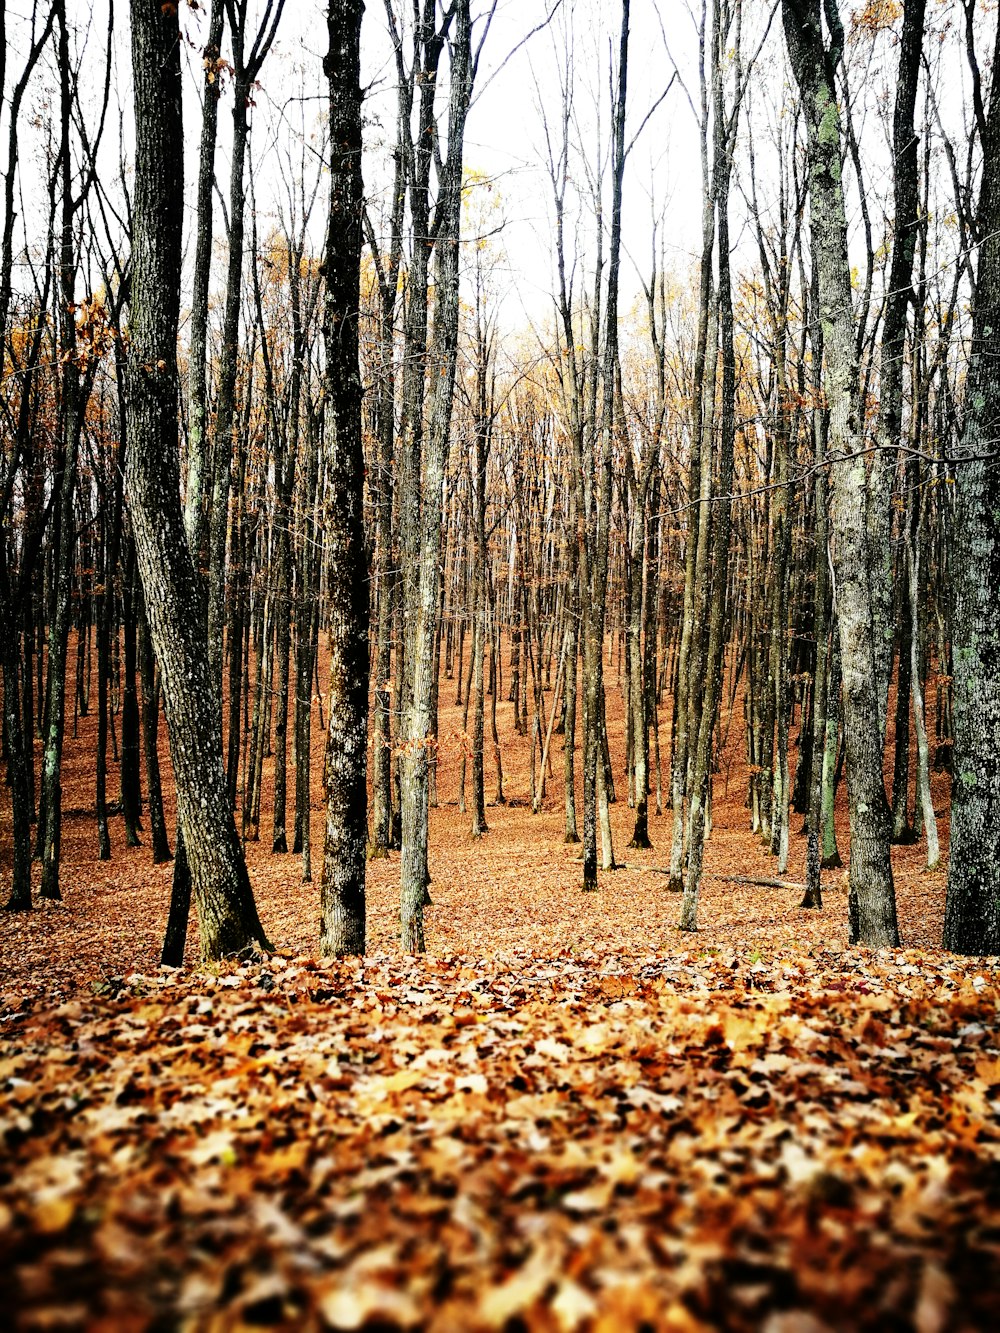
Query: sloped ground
x=568 y=1116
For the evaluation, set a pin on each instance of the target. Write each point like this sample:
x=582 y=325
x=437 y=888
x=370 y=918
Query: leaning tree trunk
x=226 y=910
x=872 y=900
x=342 y=929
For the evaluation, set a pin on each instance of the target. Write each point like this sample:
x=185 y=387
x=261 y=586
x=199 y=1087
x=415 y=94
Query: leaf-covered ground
x=567 y=1116
x=603 y=1142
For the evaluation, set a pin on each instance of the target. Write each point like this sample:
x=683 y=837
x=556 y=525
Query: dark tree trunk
x=15 y=743
x=872 y=903
x=150 y=733
x=70 y=425
x=972 y=911
x=199 y=470
x=226 y=910
x=305 y=640
x=906 y=227
x=343 y=887
x=130 y=784
x=175 y=936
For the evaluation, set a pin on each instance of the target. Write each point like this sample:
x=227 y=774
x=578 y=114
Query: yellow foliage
x=876 y=16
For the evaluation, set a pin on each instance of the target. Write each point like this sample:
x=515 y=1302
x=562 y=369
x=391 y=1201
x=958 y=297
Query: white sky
x=504 y=137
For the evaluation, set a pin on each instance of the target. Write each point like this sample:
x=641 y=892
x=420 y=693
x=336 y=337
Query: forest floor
x=568 y=1115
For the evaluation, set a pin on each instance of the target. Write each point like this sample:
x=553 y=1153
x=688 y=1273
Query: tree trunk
x=15 y=743
x=419 y=727
x=226 y=910
x=199 y=469
x=150 y=731
x=972 y=911
x=905 y=230
x=872 y=901
x=342 y=928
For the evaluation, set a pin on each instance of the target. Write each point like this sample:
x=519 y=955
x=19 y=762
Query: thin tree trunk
x=419 y=729
x=150 y=731
x=199 y=458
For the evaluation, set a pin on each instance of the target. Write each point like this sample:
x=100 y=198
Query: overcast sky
x=505 y=139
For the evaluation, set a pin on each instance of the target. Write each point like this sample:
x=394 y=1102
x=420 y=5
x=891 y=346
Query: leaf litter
x=566 y=1116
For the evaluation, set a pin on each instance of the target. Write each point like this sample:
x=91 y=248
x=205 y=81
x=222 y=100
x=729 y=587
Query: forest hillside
x=499 y=664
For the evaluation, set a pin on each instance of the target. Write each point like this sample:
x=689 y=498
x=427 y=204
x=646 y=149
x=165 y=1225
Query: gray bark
x=419 y=720
x=246 y=68
x=872 y=902
x=905 y=229
x=972 y=911
x=199 y=460
x=343 y=886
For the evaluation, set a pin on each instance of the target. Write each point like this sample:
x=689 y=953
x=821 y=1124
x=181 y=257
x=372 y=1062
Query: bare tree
x=814 y=60
x=343 y=886
x=227 y=913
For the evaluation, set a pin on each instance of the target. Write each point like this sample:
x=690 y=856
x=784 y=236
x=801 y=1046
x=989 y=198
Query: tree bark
x=906 y=226
x=419 y=729
x=199 y=469
x=872 y=901
x=972 y=910
x=343 y=886
x=226 y=910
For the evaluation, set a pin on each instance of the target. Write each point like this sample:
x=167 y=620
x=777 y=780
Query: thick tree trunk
x=342 y=928
x=872 y=902
x=972 y=911
x=226 y=910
